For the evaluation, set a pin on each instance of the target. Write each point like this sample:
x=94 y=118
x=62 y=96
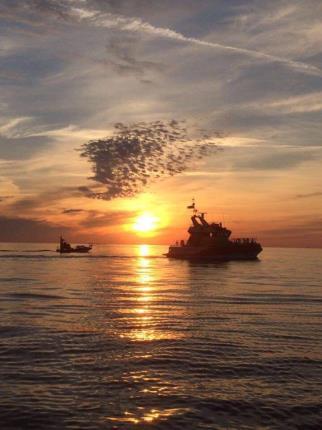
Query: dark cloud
x=10 y=75
x=99 y=219
x=40 y=16
x=21 y=148
x=10 y=9
x=159 y=10
x=95 y=218
x=86 y=191
x=275 y=161
x=5 y=198
x=123 y=58
x=28 y=12
x=307 y=195
x=15 y=229
x=55 y=8
x=137 y=5
x=34 y=13
x=43 y=199
x=72 y=211
x=297 y=233
x=296 y=229
x=141 y=153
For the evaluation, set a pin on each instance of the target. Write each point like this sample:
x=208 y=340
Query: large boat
x=66 y=248
x=211 y=241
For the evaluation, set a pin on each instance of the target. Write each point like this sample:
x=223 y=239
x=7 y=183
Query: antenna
x=193 y=206
x=195 y=210
x=223 y=218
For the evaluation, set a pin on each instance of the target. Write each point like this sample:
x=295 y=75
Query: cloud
x=298 y=104
x=309 y=195
x=281 y=26
x=18 y=229
x=297 y=234
x=55 y=8
x=123 y=58
x=5 y=198
x=21 y=10
x=276 y=160
x=96 y=219
x=144 y=7
x=22 y=148
x=86 y=191
x=74 y=11
x=43 y=200
x=18 y=142
x=72 y=211
x=141 y=153
x=136 y=25
x=262 y=159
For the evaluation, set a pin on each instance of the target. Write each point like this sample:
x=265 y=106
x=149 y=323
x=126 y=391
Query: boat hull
x=214 y=254
x=74 y=250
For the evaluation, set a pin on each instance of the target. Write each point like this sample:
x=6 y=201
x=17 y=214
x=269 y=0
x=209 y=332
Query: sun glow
x=145 y=223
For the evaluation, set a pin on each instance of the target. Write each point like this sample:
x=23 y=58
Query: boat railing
x=244 y=240
x=178 y=244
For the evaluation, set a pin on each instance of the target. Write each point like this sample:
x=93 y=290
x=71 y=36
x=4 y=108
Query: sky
x=118 y=112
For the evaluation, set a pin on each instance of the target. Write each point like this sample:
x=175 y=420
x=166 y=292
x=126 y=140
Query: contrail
x=112 y=21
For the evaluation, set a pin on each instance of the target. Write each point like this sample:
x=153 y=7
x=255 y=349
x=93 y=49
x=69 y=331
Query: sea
x=125 y=338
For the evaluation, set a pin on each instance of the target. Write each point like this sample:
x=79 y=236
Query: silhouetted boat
x=210 y=241
x=66 y=248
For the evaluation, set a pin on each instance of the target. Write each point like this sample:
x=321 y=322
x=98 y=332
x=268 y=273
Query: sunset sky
x=247 y=73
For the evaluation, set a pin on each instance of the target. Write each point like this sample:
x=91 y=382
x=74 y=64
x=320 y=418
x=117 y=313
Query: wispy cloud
x=298 y=104
x=16 y=229
x=121 y=56
x=74 y=10
x=11 y=127
x=72 y=211
x=309 y=195
x=96 y=219
x=42 y=200
x=121 y=23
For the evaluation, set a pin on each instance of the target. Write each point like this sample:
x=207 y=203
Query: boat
x=66 y=248
x=211 y=241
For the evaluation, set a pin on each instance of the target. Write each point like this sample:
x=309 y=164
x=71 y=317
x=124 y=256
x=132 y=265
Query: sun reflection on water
x=143 y=317
x=148 y=416
x=144 y=250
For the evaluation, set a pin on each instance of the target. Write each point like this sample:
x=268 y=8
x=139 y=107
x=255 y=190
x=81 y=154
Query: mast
x=202 y=219
x=193 y=206
x=194 y=212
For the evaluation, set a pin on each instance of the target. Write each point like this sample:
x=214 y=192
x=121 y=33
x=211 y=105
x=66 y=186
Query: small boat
x=66 y=248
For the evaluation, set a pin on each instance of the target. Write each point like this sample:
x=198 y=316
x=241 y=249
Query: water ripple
x=120 y=340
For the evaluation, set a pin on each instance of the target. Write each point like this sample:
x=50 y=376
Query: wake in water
x=88 y=256
x=26 y=250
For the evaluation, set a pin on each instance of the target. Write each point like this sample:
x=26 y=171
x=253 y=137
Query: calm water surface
x=127 y=339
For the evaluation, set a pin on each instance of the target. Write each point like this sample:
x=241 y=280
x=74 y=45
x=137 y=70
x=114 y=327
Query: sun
x=145 y=223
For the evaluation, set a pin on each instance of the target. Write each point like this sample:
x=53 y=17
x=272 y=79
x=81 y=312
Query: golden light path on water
x=145 y=318
x=151 y=416
x=145 y=315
